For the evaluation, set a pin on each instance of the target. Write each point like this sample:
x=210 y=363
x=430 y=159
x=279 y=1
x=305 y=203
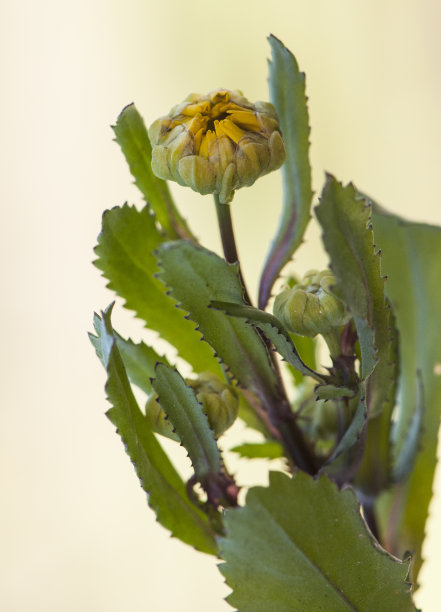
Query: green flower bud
x=310 y=308
x=219 y=402
x=217 y=143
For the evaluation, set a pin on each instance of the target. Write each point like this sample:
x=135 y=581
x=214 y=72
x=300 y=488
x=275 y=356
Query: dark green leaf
x=287 y=93
x=411 y=253
x=273 y=330
x=301 y=545
x=167 y=492
x=354 y=431
x=131 y=135
x=259 y=450
x=125 y=256
x=196 y=277
x=188 y=419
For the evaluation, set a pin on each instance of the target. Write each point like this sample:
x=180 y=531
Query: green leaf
x=125 y=255
x=139 y=359
x=273 y=330
x=287 y=93
x=131 y=135
x=188 y=419
x=166 y=491
x=403 y=461
x=306 y=347
x=301 y=544
x=259 y=450
x=196 y=277
x=411 y=253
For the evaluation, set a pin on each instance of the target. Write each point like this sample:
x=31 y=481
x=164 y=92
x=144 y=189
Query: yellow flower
x=217 y=143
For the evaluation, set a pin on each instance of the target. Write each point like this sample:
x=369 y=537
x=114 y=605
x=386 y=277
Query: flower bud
x=219 y=402
x=217 y=143
x=310 y=308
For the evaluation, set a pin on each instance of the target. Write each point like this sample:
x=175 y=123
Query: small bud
x=310 y=308
x=219 y=402
x=217 y=143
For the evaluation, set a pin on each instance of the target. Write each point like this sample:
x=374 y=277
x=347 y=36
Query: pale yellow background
x=76 y=534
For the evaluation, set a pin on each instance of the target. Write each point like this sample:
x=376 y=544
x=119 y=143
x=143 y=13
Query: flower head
x=217 y=143
x=310 y=307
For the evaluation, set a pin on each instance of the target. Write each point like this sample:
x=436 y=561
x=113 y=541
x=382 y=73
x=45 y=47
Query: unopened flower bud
x=217 y=143
x=310 y=307
x=219 y=402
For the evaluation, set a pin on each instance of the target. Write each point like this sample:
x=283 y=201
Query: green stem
x=228 y=241
x=332 y=339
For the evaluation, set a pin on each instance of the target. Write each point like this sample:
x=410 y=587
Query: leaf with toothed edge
x=139 y=359
x=322 y=555
x=167 y=493
x=196 y=277
x=188 y=419
x=410 y=255
x=125 y=257
x=273 y=330
x=131 y=135
x=287 y=94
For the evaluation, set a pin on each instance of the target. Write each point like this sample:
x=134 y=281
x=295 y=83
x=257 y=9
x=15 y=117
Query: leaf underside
x=287 y=93
x=322 y=556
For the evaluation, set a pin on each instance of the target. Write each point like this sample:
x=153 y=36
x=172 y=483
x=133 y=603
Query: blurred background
x=76 y=532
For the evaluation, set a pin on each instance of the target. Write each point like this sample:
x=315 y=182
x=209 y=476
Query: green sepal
x=259 y=450
x=131 y=135
x=167 y=494
x=188 y=419
x=323 y=557
x=125 y=256
x=196 y=277
x=287 y=93
x=273 y=330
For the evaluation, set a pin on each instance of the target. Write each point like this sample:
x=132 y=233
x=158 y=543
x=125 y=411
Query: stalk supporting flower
x=217 y=143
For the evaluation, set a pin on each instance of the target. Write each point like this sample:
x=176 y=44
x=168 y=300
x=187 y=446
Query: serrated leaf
x=301 y=544
x=139 y=359
x=411 y=253
x=166 y=491
x=188 y=419
x=196 y=277
x=125 y=257
x=259 y=450
x=131 y=135
x=287 y=93
x=273 y=330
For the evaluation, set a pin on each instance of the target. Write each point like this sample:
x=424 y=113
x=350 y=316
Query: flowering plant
x=341 y=526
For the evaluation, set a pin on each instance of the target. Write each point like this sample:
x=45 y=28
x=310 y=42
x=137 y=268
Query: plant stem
x=228 y=241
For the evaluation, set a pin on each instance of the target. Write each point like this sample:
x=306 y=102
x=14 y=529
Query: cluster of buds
x=217 y=143
x=219 y=402
x=310 y=307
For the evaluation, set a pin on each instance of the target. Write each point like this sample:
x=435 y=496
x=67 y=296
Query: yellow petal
x=245 y=119
x=231 y=130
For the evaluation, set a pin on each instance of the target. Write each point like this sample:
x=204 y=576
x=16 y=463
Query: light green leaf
x=306 y=347
x=287 y=93
x=166 y=491
x=125 y=255
x=411 y=253
x=259 y=450
x=139 y=359
x=301 y=545
x=131 y=135
x=188 y=419
x=273 y=330
x=195 y=278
